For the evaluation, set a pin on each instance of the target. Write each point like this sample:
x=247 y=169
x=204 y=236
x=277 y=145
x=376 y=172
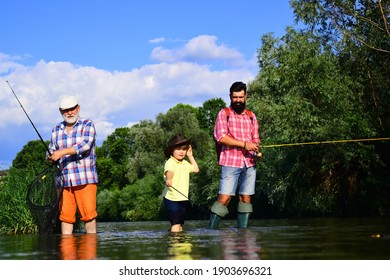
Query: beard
x=71 y=119
x=238 y=107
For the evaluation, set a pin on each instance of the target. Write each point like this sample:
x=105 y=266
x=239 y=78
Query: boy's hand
x=168 y=183
x=189 y=151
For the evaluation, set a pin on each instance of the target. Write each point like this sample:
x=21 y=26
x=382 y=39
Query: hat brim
x=68 y=102
x=168 y=150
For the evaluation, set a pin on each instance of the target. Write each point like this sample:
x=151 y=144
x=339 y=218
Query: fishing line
x=324 y=142
x=204 y=210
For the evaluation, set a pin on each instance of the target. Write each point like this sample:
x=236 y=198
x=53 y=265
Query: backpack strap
x=227 y=111
x=248 y=112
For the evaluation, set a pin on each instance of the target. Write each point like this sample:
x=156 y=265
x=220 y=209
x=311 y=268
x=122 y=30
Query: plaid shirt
x=239 y=127
x=78 y=169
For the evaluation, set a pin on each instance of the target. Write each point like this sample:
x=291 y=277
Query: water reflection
x=241 y=245
x=78 y=247
x=282 y=239
x=179 y=246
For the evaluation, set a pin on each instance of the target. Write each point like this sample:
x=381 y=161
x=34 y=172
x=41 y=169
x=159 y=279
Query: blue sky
x=126 y=61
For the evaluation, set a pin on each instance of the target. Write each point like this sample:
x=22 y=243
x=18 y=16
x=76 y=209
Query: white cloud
x=164 y=40
x=104 y=129
x=118 y=99
x=130 y=124
x=8 y=62
x=157 y=40
x=202 y=49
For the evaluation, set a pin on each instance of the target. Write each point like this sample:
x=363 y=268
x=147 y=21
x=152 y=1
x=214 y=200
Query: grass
x=15 y=217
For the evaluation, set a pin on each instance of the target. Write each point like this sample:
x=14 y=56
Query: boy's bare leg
x=176 y=228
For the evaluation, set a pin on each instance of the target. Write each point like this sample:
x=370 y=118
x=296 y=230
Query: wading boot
x=214 y=221
x=218 y=211
x=243 y=212
x=242 y=220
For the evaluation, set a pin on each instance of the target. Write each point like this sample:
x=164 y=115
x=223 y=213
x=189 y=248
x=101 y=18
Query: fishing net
x=44 y=197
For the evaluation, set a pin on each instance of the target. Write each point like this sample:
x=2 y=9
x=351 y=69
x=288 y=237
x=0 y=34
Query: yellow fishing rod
x=324 y=142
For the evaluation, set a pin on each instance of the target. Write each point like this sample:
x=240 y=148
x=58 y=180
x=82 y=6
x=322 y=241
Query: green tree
x=32 y=156
x=182 y=119
x=112 y=158
x=302 y=94
x=360 y=34
x=207 y=113
x=118 y=145
x=363 y=23
x=149 y=142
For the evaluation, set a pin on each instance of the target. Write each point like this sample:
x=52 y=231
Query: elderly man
x=73 y=143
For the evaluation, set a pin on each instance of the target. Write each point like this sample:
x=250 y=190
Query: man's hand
x=249 y=146
x=55 y=156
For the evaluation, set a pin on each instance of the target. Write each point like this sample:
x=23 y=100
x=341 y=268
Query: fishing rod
x=42 y=199
x=204 y=210
x=36 y=130
x=324 y=142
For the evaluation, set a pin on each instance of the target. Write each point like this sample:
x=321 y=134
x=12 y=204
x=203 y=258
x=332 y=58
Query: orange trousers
x=82 y=198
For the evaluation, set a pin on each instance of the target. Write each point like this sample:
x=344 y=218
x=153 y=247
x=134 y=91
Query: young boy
x=177 y=179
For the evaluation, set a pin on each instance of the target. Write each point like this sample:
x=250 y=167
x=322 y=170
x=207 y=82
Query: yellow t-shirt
x=180 y=180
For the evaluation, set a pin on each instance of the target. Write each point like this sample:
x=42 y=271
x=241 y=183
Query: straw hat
x=175 y=141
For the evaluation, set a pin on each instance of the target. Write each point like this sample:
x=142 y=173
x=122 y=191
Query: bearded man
x=237 y=130
x=72 y=148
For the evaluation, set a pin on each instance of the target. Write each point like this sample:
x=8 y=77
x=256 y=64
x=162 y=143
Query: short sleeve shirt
x=180 y=180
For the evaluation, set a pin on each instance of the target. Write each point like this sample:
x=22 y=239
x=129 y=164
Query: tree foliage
x=325 y=88
x=207 y=113
x=32 y=156
x=360 y=33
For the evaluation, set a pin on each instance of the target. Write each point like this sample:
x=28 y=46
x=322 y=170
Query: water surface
x=284 y=239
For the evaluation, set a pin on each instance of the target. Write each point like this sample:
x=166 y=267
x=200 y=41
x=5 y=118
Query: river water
x=276 y=239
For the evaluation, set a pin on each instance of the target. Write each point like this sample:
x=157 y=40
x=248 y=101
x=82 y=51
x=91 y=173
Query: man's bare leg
x=224 y=199
x=90 y=226
x=66 y=228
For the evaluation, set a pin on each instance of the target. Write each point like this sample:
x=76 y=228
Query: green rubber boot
x=218 y=211
x=242 y=220
x=214 y=221
x=243 y=212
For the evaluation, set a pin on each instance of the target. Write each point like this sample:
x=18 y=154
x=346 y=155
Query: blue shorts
x=233 y=177
x=176 y=211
